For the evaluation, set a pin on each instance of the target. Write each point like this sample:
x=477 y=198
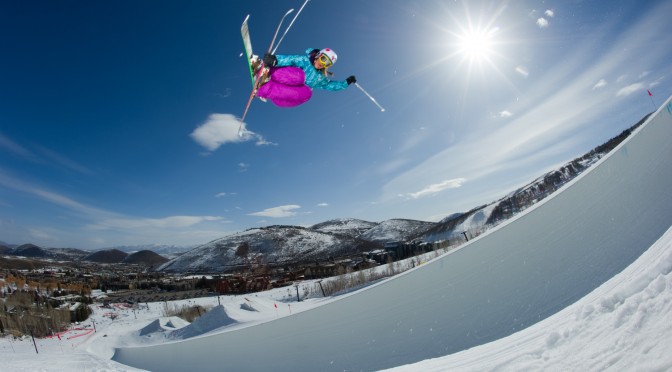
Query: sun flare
x=476 y=45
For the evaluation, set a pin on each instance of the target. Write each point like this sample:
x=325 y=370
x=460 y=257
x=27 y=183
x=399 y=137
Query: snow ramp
x=213 y=319
x=506 y=280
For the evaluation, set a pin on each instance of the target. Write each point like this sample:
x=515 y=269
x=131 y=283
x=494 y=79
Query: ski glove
x=270 y=60
x=351 y=79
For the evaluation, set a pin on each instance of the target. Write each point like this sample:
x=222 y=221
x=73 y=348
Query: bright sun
x=476 y=45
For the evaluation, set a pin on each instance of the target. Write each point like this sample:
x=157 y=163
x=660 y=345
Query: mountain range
x=282 y=244
x=143 y=257
x=347 y=237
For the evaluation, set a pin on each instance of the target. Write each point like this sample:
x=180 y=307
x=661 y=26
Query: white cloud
x=8 y=181
x=243 y=166
x=16 y=149
x=437 y=187
x=92 y=225
x=644 y=74
x=172 y=222
x=542 y=22
x=223 y=128
x=64 y=161
x=261 y=141
x=549 y=13
x=523 y=71
x=505 y=114
x=323 y=205
x=278 y=212
x=600 y=84
x=97 y=241
x=392 y=165
x=656 y=82
x=632 y=88
x=223 y=194
x=42 y=235
x=216 y=131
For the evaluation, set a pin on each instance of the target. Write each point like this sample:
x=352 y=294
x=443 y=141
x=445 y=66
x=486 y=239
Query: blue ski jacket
x=314 y=77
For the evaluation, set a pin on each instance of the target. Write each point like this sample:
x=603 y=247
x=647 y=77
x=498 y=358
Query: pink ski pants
x=286 y=87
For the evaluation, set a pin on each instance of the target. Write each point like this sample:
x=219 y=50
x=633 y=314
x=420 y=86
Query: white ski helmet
x=329 y=53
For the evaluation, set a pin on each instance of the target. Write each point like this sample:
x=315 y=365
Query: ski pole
x=278 y=29
x=288 y=27
x=371 y=98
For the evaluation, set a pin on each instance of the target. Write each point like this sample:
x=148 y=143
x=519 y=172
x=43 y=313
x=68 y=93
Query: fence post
x=34 y=343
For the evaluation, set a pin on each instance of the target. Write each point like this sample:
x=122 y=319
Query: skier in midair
x=292 y=78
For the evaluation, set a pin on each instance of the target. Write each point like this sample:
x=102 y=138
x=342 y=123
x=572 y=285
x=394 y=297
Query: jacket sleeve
x=292 y=60
x=333 y=85
x=298 y=60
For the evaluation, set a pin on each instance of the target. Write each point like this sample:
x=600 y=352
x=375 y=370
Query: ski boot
x=255 y=63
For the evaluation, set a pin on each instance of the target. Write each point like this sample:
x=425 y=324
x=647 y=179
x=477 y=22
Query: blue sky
x=104 y=106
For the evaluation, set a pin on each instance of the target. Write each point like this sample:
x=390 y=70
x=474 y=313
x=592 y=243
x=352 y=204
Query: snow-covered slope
x=348 y=226
x=396 y=230
x=294 y=244
x=482 y=218
x=273 y=244
x=505 y=280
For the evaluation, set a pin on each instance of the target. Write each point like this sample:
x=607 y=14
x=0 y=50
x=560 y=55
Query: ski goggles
x=325 y=60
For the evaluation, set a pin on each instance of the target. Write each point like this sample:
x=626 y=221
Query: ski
x=260 y=73
x=245 y=32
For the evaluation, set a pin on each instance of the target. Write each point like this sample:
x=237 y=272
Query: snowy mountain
x=333 y=238
x=7 y=245
x=34 y=251
x=67 y=254
x=482 y=218
x=74 y=254
x=4 y=249
x=106 y=256
x=479 y=219
x=161 y=249
x=396 y=230
x=346 y=226
x=29 y=250
x=145 y=257
x=339 y=237
x=267 y=245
